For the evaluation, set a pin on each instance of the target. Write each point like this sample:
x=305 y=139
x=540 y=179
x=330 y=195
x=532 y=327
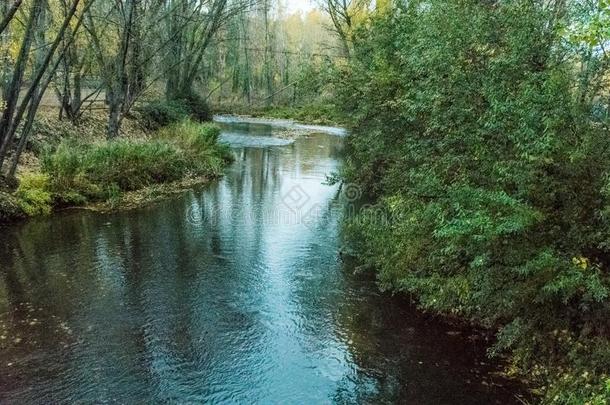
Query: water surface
x=235 y=293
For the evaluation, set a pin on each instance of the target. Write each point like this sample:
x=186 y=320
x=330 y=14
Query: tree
x=9 y=121
x=76 y=63
x=344 y=15
x=191 y=28
x=43 y=72
x=122 y=63
x=271 y=58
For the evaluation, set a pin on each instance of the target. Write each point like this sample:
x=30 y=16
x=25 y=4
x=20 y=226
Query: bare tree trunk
x=27 y=128
x=77 y=96
x=267 y=62
x=190 y=42
x=13 y=122
x=247 y=84
x=69 y=94
x=175 y=54
x=135 y=65
x=114 y=115
x=115 y=72
x=341 y=13
x=39 y=59
x=12 y=95
x=30 y=97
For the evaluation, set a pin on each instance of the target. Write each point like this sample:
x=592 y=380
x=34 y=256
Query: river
x=233 y=293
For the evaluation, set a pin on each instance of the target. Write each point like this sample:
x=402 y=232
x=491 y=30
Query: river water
x=235 y=293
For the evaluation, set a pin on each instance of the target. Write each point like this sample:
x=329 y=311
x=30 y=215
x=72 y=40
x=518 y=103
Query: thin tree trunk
x=34 y=86
x=6 y=122
x=114 y=115
x=39 y=56
x=27 y=128
x=268 y=73
x=8 y=16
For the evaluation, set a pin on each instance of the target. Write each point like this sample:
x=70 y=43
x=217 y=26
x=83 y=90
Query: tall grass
x=81 y=172
x=199 y=143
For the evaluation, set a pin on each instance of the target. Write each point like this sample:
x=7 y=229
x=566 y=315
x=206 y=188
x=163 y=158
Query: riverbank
x=74 y=166
x=281 y=128
x=314 y=114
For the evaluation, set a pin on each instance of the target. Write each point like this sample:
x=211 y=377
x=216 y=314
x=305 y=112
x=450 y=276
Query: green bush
x=195 y=105
x=191 y=136
x=199 y=107
x=159 y=113
x=468 y=133
x=33 y=194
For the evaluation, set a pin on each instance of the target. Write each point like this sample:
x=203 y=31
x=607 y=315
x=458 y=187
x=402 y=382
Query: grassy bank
x=319 y=114
x=125 y=172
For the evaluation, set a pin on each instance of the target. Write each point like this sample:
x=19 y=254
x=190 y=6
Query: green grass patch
x=82 y=172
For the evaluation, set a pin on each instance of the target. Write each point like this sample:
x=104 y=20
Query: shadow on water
x=232 y=293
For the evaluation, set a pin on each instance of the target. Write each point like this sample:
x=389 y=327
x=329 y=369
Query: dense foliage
x=474 y=133
x=160 y=113
x=33 y=194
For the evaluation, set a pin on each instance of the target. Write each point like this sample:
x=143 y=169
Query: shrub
x=196 y=106
x=470 y=136
x=133 y=165
x=33 y=194
x=191 y=136
x=159 y=113
x=95 y=171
